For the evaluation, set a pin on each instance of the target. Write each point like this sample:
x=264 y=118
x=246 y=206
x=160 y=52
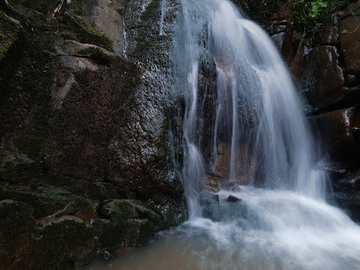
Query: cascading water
x=257 y=106
x=257 y=119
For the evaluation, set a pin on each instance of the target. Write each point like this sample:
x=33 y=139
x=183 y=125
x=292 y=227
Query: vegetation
x=308 y=15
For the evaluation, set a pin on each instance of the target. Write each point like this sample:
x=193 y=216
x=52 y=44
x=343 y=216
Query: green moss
x=150 y=10
x=120 y=11
x=77 y=6
x=86 y=35
x=82 y=203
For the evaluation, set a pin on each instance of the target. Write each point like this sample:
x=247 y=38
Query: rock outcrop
x=83 y=121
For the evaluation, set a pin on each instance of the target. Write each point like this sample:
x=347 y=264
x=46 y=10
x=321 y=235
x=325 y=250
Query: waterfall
x=242 y=122
x=163 y=7
x=257 y=111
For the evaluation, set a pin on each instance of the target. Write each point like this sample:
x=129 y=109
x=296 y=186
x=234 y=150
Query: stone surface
x=106 y=18
x=337 y=132
x=329 y=34
x=50 y=202
x=350 y=43
x=323 y=78
x=283 y=43
x=233 y=198
x=48 y=244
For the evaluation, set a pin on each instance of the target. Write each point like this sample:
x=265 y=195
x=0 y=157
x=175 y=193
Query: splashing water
x=286 y=224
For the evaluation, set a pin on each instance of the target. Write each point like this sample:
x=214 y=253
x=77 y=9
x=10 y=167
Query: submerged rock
x=233 y=198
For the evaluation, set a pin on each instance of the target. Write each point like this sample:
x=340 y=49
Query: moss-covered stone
x=139 y=231
x=151 y=10
x=86 y=35
x=11 y=33
x=49 y=202
x=62 y=241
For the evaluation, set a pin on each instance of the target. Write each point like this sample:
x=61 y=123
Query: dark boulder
x=233 y=198
x=338 y=132
x=323 y=78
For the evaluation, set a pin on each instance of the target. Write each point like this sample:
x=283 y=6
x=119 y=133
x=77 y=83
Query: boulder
x=105 y=16
x=233 y=198
x=283 y=43
x=138 y=222
x=337 y=130
x=350 y=39
x=50 y=202
x=323 y=78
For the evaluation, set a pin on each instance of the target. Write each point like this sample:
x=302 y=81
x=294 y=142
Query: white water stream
x=286 y=224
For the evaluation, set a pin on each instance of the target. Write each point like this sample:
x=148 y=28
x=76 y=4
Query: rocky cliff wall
x=84 y=136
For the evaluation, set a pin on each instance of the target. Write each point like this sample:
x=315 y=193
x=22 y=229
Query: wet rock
x=336 y=129
x=206 y=198
x=279 y=27
x=232 y=186
x=283 y=43
x=139 y=231
x=329 y=34
x=323 y=79
x=350 y=182
x=233 y=198
x=208 y=201
x=77 y=56
x=136 y=221
x=133 y=209
x=350 y=39
x=352 y=80
x=62 y=241
x=101 y=191
x=105 y=17
x=53 y=243
x=108 y=233
x=349 y=202
x=207 y=96
x=50 y=202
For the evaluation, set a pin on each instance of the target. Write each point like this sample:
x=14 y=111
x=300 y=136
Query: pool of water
x=267 y=230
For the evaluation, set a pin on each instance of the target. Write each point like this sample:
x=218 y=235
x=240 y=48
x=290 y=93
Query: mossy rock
x=139 y=231
x=138 y=221
x=47 y=202
x=152 y=10
x=87 y=35
x=108 y=234
x=64 y=241
x=11 y=34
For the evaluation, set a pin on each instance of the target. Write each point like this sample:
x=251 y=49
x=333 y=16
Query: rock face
x=350 y=39
x=83 y=121
x=322 y=62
